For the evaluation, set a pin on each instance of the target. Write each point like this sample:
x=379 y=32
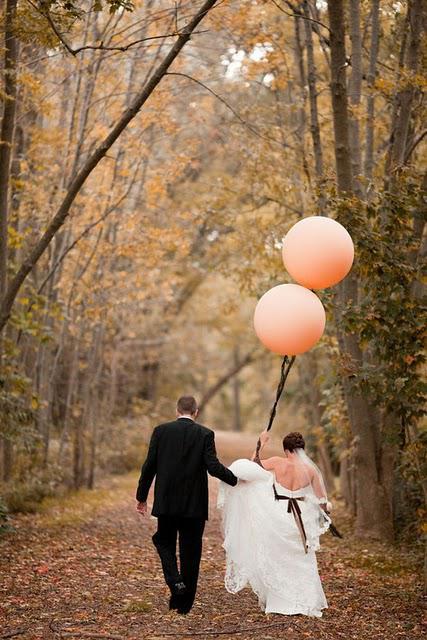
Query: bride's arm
x=262 y=441
x=320 y=491
x=269 y=464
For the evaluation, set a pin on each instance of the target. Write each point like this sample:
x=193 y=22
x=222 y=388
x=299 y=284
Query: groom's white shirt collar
x=185 y=416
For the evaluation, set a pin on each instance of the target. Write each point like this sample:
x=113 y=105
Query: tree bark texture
x=7 y=131
x=374 y=515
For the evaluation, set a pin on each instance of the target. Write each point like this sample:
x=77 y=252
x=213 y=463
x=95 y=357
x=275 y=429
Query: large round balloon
x=318 y=252
x=289 y=319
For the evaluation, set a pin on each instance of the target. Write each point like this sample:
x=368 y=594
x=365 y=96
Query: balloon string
x=284 y=372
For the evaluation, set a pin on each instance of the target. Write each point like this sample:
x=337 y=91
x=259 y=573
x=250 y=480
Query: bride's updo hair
x=292 y=441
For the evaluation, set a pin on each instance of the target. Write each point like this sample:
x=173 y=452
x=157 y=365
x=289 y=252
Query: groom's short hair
x=187 y=405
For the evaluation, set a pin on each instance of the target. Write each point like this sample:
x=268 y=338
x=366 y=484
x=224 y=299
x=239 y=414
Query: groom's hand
x=141 y=507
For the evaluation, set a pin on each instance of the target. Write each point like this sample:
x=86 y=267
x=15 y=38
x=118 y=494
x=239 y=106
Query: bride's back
x=291 y=474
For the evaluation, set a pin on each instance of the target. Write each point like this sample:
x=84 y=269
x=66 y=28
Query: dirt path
x=85 y=567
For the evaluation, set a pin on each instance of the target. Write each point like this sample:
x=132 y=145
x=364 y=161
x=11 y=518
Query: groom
x=179 y=455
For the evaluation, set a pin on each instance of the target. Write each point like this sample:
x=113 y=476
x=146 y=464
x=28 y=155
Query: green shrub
x=126 y=449
x=122 y=463
x=24 y=497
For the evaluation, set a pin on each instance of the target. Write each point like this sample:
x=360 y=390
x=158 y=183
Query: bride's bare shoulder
x=272 y=463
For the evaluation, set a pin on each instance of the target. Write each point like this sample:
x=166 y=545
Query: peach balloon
x=289 y=319
x=318 y=252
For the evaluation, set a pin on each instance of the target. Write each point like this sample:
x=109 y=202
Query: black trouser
x=190 y=532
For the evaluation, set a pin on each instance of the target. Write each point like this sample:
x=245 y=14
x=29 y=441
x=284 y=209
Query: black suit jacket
x=179 y=455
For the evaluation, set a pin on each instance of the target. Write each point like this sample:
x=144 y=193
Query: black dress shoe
x=183 y=611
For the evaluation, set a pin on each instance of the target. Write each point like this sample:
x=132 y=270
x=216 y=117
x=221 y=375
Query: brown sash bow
x=294 y=508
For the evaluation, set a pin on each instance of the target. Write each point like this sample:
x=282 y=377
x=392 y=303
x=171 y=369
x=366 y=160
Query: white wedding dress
x=263 y=545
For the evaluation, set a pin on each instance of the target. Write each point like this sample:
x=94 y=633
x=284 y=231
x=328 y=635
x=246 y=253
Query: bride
x=272 y=521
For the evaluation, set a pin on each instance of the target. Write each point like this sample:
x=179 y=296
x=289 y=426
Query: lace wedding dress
x=264 y=545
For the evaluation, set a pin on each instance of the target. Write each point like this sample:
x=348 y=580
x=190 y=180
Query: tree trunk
x=374 y=517
x=355 y=92
x=92 y=451
x=42 y=386
x=370 y=100
x=302 y=91
x=72 y=380
x=308 y=369
x=236 y=393
x=7 y=458
x=78 y=455
x=405 y=97
x=314 y=113
x=11 y=52
x=339 y=98
x=7 y=130
x=347 y=481
x=94 y=394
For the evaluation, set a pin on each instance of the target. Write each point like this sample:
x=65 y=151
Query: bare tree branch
x=249 y=126
x=82 y=235
x=101 y=47
x=296 y=13
x=414 y=144
x=212 y=391
x=93 y=160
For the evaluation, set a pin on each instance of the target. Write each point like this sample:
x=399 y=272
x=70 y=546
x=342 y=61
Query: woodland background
x=146 y=182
